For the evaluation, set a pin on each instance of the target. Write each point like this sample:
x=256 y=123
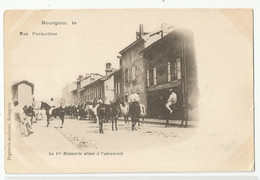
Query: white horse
x=142 y=112
x=125 y=111
x=93 y=109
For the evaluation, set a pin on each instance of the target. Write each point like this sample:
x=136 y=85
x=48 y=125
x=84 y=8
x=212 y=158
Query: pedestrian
x=22 y=121
x=170 y=102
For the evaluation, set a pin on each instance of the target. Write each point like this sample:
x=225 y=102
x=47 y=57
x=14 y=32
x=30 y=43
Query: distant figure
x=171 y=101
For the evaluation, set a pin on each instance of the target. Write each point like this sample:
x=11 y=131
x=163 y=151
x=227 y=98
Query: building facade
x=133 y=65
x=23 y=93
x=170 y=64
x=82 y=83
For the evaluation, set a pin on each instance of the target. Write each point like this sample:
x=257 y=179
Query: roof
x=24 y=82
x=88 y=77
x=104 y=78
x=156 y=43
x=179 y=31
x=131 y=45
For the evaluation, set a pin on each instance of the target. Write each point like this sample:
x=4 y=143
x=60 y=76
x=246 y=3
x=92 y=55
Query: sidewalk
x=162 y=121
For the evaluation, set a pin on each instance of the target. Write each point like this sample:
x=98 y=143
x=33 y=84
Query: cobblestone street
x=83 y=134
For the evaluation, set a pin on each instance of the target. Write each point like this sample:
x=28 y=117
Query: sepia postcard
x=128 y=90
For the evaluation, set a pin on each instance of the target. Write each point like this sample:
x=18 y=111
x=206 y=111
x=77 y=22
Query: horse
x=124 y=107
x=29 y=112
x=101 y=116
x=56 y=112
x=115 y=110
x=142 y=113
x=134 y=113
x=104 y=113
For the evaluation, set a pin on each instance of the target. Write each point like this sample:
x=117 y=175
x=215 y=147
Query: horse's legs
x=101 y=124
x=99 y=127
x=133 y=123
x=62 y=121
x=112 y=120
x=48 y=119
x=116 y=124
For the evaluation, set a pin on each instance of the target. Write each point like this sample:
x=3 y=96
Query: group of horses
x=99 y=112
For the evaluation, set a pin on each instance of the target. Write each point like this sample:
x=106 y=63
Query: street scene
x=127 y=91
x=84 y=136
x=141 y=89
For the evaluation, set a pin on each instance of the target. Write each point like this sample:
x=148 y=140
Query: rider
x=52 y=104
x=134 y=105
x=171 y=101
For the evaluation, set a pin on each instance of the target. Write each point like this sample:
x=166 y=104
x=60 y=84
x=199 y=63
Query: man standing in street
x=171 y=101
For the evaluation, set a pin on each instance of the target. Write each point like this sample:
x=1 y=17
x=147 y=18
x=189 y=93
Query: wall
x=109 y=88
x=177 y=45
x=25 y=96
x=129 y=58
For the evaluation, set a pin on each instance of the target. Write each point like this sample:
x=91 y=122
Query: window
x=100 y=92
x=178 y=68
x=147 y=78
x=154 y=77
x=133 y=72
x=169 y=71
x=118 y=86
x=127 y=75
x=175 y=70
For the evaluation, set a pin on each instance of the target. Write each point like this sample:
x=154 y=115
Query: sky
x=51 y=62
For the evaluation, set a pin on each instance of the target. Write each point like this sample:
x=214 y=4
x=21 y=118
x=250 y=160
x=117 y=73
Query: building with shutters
x=170 y=64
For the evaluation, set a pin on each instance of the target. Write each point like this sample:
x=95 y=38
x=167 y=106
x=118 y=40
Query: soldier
x=134 y=108
x=171 y=101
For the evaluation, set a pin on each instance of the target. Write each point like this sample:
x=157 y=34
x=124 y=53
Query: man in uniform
x=134 y=108
x=171 y=101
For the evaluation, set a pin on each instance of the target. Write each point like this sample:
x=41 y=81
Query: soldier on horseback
x=134 y=108
x=171 y=101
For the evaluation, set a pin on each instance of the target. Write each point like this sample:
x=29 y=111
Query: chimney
x=80 y=77
x=141 y=32
x=108 y=68
x=164 y=27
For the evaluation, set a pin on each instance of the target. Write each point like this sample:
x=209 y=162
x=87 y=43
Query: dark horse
x=115 y=111
x=134 y=113
x=106 y=112
x=56 y=112
x=30 y=113
x=103 y=111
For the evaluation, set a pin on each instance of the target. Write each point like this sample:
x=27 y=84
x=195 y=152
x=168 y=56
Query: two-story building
x=105 y=87
x=132 y=63
x=83 y=82
x=133 y=68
